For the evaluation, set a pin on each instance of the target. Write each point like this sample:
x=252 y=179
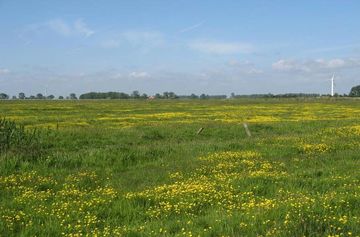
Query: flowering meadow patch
x=139 y=168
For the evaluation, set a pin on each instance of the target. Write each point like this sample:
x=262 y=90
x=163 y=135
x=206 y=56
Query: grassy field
x=139 y=168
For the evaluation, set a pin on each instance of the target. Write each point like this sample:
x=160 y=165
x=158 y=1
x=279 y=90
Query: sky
x=184 y=46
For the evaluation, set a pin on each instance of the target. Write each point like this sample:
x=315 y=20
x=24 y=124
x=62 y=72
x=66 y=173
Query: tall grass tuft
x=15 y=139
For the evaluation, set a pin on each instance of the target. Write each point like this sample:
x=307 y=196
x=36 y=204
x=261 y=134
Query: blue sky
x=214 y=47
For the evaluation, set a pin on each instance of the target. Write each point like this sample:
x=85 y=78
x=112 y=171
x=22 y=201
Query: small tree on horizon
x=21 y=96
x=135 y=95
x=73 y=96
x=172 y=95
x=39 y=96
x=166 y=95
x=3 y=96
x=193 y=96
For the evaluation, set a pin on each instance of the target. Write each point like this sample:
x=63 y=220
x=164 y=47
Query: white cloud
x=216 y=47
x=314 y=65
x=142 y=40
x=4 y=71
x=334 y=63
x=139 y=75
x=61 y=27
x=236 y=63
x=82 y=28
x=244 y=67
x=254 y=71
x=334 y=48
x=288 y=65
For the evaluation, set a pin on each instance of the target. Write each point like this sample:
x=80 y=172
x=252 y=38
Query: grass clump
x=15 y=139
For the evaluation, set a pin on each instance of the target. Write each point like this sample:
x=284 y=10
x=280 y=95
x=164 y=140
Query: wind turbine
x=332 y=85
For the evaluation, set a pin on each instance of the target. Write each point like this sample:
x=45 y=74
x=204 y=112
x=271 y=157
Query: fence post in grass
x=247 y=129
x=200 y=131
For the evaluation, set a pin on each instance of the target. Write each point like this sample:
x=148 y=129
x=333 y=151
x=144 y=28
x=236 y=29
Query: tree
x=73 y=96
x=135 y=94
x=193 y=96
x=172 y=95
x=355 y=91
x=50 y=97
x=123 y=95
x=157 y=96
x=21 y=95
x=39 y=96
x=14 y=97
x=144 y=96
x=104 y=95
x=61 y=97
x=3 y=96
x=166 y=95
x=203 y=96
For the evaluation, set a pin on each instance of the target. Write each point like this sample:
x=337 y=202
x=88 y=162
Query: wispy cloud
x=149 y=38
x=138 y=39
x=4 y=71
x=81 y=27
x=245 y=67
x=193 y=27
x=286 y=65
x=140 y=74
x=218 y=47
x=117 y=76
x=335 y=48
x=110 y=44
x=60 y=27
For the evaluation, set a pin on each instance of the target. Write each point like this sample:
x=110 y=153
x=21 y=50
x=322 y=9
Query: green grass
x=138 y=168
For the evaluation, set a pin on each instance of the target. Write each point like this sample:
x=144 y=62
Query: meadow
x=139 y=168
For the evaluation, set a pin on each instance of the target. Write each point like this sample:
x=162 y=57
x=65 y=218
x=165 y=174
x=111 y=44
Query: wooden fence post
x=247 y=129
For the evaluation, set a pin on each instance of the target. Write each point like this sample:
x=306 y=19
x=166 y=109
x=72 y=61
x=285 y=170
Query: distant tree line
x=202 y=96
x=39 y=96
x=286 y=95
x=354 y=92
x=137 y=95
x=113 y=95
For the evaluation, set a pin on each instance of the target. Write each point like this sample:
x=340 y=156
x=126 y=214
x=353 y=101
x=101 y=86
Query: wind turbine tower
x=332 y=85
